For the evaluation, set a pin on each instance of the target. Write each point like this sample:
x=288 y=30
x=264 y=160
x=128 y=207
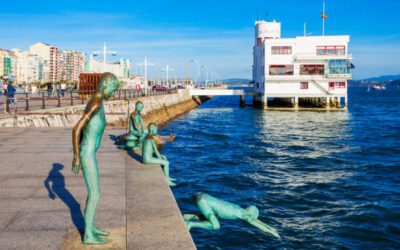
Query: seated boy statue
x=213 y=208
x=137 y=129
x=151 y=155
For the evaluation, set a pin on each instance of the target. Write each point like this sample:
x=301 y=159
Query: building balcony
x=298 y=77
x=315 y=57
x=338 y=76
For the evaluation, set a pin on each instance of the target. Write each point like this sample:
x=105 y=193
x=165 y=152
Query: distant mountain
x=382 y=78
x=236 y=81
x=390 y=81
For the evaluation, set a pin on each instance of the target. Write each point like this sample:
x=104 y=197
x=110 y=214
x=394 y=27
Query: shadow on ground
x=55 y=185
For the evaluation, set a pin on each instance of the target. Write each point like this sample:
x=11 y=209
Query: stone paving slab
x=136 y=201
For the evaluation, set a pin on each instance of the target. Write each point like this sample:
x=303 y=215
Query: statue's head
x=253 y=212
x=108 y=85
x=153 y=128
x=139 y=106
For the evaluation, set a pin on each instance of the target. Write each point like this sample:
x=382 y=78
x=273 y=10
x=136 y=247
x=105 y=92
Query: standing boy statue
x=86 y=139
x=213 y=208
x=151 y=155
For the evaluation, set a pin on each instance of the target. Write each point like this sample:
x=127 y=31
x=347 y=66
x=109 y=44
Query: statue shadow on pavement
x=131 y=153
x=55 y=185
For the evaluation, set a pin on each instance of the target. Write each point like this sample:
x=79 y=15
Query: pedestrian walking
x=1 y=86
x=11 y=93
x=49 y=89
x=58 y=87
x=63 y=88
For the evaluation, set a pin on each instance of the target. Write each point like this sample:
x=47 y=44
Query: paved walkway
x=41 y=200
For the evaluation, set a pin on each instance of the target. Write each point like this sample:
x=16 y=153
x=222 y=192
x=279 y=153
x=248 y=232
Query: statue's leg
x=212 y=222
x=141 y=138
x=91 y=174
x=188 y=217
x=165 y=167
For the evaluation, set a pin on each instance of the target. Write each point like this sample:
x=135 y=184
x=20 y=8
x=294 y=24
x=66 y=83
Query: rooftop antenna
x=305 y=30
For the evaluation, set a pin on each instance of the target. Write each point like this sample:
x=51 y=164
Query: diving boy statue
x=151 y=155
x=137 y=129
x=86 y=139
x=213 y=208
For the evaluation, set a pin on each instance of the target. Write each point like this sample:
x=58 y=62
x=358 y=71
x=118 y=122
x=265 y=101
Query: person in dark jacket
x=49 y=89
x=10 y=93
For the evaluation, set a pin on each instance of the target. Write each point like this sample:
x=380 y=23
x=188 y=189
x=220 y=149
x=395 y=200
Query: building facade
x=7 y=63
x=71 y=64
x=28 y=67
x=300 y=68
x=120 y=69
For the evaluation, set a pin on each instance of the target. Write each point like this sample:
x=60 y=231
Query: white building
x=71 y=64
x=28 y=67
x=49 y=55
x=120 y=69
x=301 y=67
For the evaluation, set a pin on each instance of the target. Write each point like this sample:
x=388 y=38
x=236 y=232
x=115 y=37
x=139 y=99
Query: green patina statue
x=86 y=139
x=212 y=208
x=137 y=130
x=151 y=155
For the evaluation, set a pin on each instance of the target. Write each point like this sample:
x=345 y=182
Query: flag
x=324 y=16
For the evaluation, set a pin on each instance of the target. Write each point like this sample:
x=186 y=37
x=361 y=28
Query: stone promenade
x=42 y=201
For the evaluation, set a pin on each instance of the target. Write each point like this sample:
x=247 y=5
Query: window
x=304 y=85
x=339 y=66
x=312 y=69
x=281 y=50
x=281 y=70
x=331 y=50
x=337 y=85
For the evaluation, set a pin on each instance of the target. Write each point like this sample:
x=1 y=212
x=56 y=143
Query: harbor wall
x=159 y=109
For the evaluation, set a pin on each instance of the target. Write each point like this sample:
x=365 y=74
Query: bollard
x=125 y=94
x=26 y=102
x=7 y=105
x=59 y=100
x=43 y=102
x=72 y=99
x=119 y=94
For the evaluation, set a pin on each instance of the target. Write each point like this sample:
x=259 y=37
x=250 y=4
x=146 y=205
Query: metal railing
x=41 y=102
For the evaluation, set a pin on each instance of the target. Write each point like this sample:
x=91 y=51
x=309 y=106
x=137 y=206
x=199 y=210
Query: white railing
x=314 y=56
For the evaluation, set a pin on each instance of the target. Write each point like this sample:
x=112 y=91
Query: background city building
x=300 y=67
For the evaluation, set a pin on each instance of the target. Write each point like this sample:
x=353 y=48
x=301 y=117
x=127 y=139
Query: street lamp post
x=104 y=52
x=198 y=70
x=167 y=69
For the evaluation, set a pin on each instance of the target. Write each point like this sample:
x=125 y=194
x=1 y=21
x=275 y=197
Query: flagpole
x=323 y=18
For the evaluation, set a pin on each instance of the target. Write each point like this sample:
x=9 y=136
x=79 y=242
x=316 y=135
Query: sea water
x=324 y=180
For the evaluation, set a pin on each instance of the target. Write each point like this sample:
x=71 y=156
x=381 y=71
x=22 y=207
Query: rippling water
x=323 y=179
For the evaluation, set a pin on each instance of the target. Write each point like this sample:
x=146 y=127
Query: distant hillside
x=382 y=78
x=390 y=81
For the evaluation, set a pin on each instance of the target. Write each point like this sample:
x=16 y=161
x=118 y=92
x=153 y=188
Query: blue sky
x=217 y=33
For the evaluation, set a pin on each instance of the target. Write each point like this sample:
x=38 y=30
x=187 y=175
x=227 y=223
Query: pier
x=42 y=201
x=281 y=101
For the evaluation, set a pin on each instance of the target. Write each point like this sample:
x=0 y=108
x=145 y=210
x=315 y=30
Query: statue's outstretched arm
x=264 y=227
x=77 y=130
